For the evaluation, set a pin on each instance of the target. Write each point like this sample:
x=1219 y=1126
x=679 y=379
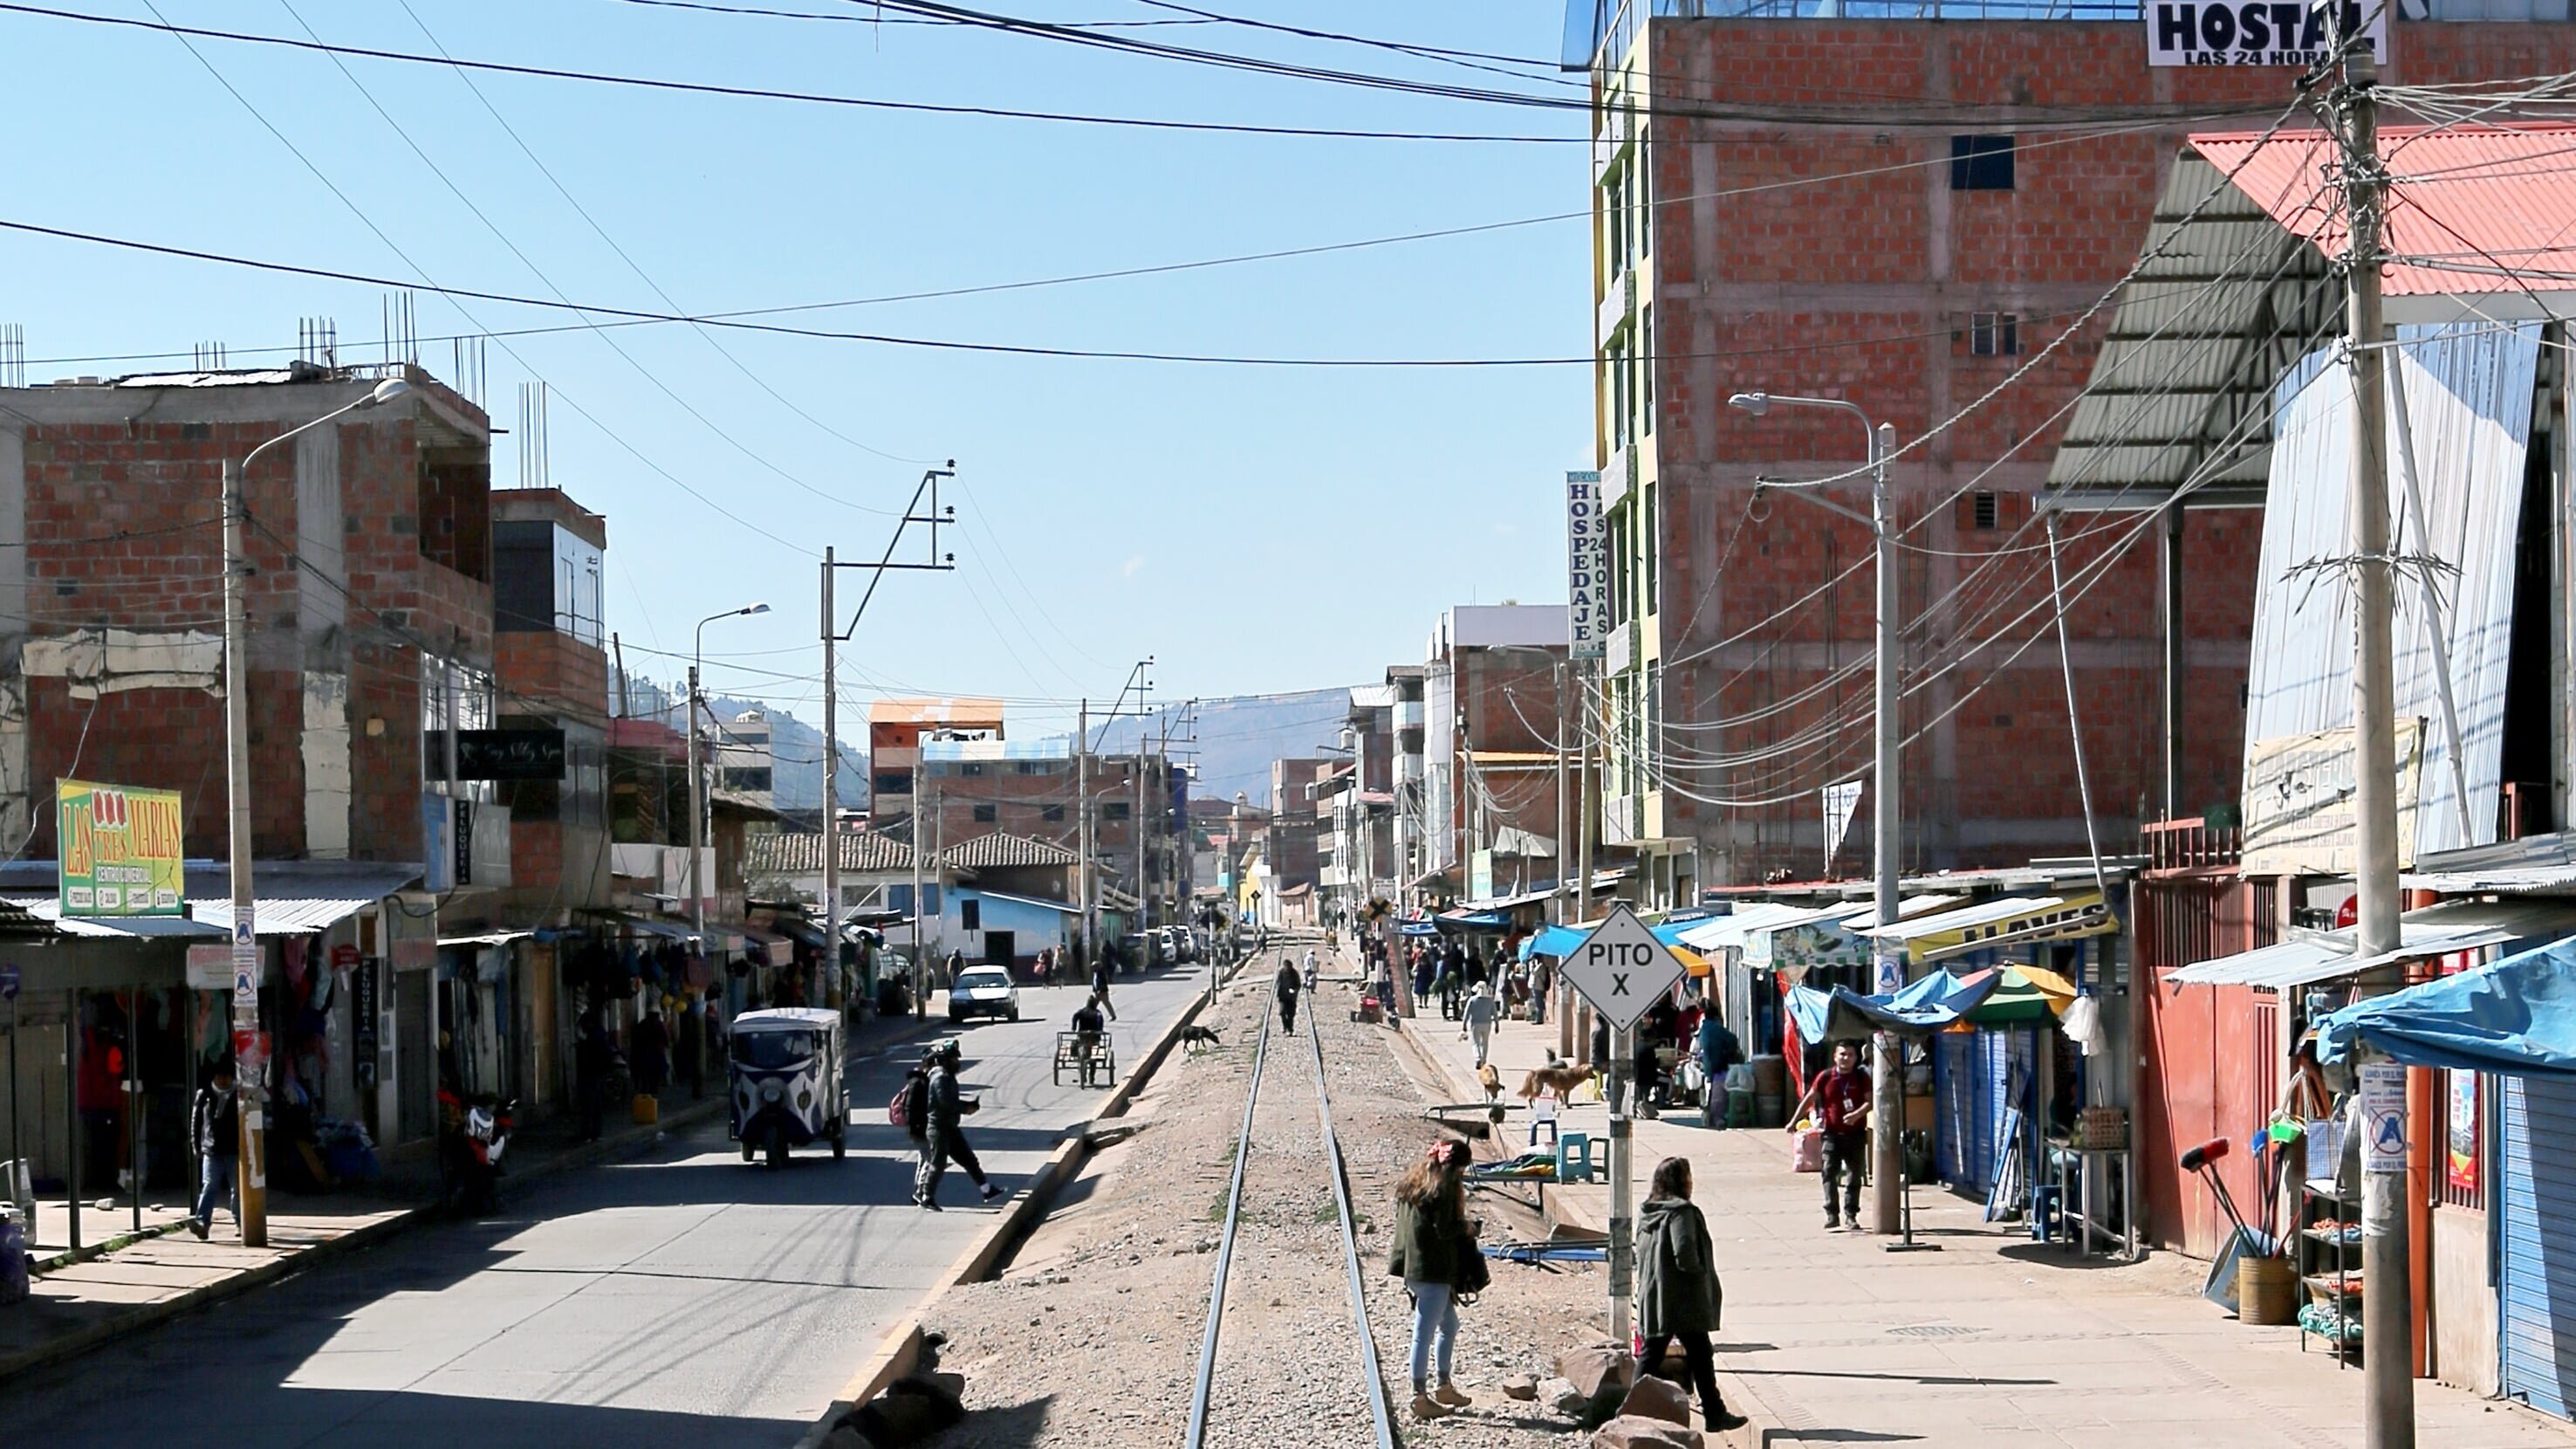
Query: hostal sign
x=2258 y=32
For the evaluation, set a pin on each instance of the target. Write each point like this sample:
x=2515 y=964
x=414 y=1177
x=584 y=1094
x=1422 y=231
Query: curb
x=68 y=1257
x=899 y=1352
x=152 y=1314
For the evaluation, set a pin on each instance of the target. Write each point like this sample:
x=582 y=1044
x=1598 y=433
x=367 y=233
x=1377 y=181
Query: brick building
x=369 y=552
x=550 y=651
x=896 y=730
x=1491 y=700
x=965 y=789
x=1760 y=226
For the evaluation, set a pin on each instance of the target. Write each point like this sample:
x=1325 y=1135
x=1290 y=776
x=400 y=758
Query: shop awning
x=47 y=910
x=486 y=938
x=796 y=928
x=2008 y=921
x=1829 y=936
x=2435 y=930
x=1730 y=930
x=1923 y=1008
x=1465 y=920
x=1555 y=940
x=2516 y=1017
x=1506 y=903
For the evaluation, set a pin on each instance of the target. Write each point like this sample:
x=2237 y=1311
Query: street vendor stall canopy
x=2435 y=930
x=1924 y=1007
x=2007 y=921
x=2516 y=1017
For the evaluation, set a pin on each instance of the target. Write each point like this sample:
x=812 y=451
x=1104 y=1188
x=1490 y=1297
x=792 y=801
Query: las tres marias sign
x=118 y=850
x=2260 y=32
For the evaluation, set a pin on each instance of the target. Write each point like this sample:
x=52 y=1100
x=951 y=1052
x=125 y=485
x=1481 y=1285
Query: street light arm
x=1797 y=490
x=386 y=391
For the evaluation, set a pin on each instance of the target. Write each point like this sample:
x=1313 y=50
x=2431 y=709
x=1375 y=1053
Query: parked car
x=984 y=991
x=1177 y=945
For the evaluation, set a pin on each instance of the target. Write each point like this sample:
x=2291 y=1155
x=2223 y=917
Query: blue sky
x=1251 y=528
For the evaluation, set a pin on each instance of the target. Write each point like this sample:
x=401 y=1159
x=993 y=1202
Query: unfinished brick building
x=1903 y=214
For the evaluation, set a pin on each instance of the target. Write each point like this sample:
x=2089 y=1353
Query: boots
x=1717 y=1417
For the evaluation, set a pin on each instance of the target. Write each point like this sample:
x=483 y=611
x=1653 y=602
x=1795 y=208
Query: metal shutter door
x=2538 y=1227
x=1954 y=1107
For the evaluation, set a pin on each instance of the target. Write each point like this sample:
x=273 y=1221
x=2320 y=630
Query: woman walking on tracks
x=1436 y=1256
x=1678 y=1295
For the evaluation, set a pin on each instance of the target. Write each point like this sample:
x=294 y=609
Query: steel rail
x=1370 y=1376
x=1225 y=1247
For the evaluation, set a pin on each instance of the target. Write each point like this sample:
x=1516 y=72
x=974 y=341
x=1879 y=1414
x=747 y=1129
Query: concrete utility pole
x=1566 y=1026
x=1887 y=1079
x=698 y=825
x=237 y=867
x=1082 y=826
x=831 y=630
x=2388 y=1419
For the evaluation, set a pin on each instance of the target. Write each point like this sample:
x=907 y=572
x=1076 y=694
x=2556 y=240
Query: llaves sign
x=2260 y=32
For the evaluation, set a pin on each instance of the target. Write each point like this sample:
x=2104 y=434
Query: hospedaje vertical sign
x=118 y=850
x=2261 y=32
x=1587 y=634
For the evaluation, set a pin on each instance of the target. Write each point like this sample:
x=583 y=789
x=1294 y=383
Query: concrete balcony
x=1618 y=304
x=1408 y=714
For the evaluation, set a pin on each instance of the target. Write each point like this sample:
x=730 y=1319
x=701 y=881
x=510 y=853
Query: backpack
x=910 y=1108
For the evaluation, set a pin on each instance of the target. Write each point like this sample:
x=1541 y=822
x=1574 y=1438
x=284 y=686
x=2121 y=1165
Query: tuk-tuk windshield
x=772 y=1051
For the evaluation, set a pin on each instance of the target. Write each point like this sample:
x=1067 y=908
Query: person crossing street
x=945 y=1140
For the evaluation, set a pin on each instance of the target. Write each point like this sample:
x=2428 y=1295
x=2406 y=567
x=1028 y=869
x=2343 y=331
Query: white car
x=983 y=991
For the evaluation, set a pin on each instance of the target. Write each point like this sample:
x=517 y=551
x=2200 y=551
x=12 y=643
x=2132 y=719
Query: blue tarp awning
x=2516 y=1017
x=1922 y=1008
x=1417 y=928
x=1463 y=920
x=1553 y=941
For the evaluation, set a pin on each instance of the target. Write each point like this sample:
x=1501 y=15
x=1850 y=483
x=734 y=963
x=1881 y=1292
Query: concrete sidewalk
x=1995 y=1341
x=82 y=1300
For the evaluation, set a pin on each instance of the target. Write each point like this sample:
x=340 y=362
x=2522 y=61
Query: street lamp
x=253 y=1177
x=1887 y=1154
x=697 y=787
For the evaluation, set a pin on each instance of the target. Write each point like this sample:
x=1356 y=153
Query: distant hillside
x=1237 y=738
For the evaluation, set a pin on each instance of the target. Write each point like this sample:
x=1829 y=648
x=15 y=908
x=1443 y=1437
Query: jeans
x=218 y=1186
x=1435 y=1327
x=1845 y=1155
x=1696 y=1352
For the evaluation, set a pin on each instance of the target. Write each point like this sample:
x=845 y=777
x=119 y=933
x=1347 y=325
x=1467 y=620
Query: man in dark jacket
x=945 y=1142
x=214 y=1129
x=1100 y=987
x=1287 y=993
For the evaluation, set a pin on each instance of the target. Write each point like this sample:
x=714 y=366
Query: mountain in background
x=1235 y=739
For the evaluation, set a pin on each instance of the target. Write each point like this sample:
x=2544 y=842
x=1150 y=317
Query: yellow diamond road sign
x=1621 y=969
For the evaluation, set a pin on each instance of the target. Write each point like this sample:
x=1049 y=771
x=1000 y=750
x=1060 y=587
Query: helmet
x=947 y=1051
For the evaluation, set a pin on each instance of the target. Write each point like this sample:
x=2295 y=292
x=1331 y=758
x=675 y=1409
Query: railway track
x=1282 y=1371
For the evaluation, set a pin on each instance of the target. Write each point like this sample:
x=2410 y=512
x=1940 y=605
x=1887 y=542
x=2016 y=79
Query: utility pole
x=1887 y=1084
x=697 y=813
x=1582 y=695
x=2388 y=1418
x=249 y=1076
x=1082 y=824
x=831 y=796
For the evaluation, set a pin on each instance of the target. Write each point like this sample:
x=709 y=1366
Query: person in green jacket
x=1432 y=1238
x=1678 y=1295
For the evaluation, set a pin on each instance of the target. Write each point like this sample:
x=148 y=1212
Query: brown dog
x=1491 y=1081
x=1557 y=1081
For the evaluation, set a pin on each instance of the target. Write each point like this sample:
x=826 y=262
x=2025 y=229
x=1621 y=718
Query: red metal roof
x=2472 y=209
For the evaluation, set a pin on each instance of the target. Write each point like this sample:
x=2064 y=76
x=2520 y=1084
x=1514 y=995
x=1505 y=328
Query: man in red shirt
x=1841 y=1098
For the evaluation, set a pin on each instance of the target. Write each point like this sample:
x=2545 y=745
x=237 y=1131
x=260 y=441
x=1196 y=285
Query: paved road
x=678 y=1299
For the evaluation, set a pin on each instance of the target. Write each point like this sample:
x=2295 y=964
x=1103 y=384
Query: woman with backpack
x=1678 y=1295
x=1436 y=1255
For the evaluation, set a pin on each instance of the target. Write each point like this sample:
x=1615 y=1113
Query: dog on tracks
x=1196 y=1039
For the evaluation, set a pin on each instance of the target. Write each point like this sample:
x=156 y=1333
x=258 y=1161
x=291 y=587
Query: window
x=1052 y=814
x=893 y=782
x=1981 y=163
x=1994 y=334
x=1647 y=548
x=970 y=915
x=1114 y=810
x=1986 y=510
x=984 y=814
x=1646 y=373
x=754 y=779
x=970 y=770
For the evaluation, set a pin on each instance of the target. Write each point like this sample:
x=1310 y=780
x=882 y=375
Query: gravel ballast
x=1090 y=1336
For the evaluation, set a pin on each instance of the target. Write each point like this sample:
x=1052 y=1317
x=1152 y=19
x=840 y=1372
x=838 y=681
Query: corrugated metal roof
x=2180 y=388
x=2468 y=395
x=1730 y=930
x=2435 y=930
x=2533 y=865
x=48 y=909
x=2466 y=204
